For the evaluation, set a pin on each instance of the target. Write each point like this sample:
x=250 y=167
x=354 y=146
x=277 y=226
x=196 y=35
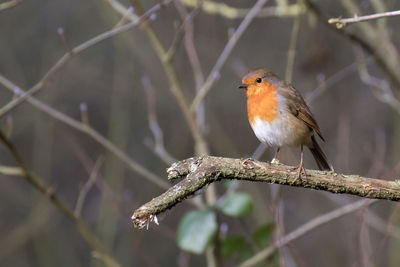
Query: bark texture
x=198 y=172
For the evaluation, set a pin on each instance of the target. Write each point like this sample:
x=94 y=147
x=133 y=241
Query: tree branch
x=90 y=237
x=230 y=45
x=230 y=12
x=9 y=4
x=201 y=171
x=76 y=50
x=86 y=129
x=341 y=22
x=381 y=61
x=304 y=229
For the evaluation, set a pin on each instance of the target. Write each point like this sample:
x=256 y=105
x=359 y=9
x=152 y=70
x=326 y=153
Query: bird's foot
x=246 y=163
x=299 y=170
x=275 y=161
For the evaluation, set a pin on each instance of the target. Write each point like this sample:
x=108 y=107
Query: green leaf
x=235 y=245
x=231 y=245
x=262 y=236
x=196 y=230
x=237 y=204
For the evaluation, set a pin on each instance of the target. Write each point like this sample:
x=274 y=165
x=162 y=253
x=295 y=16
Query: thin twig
x=380 y=88
x=276 y=191
x=9 y=4
x=376 y=34
x=76 y=50
x=292 y=49
x=179 y=33
x=230 y=12
x=125 y=18
x=259 y=151
x=12 y=171
x=174 y=85
x=380 y=225
x=20 y=235
x=84 y=128
x=200 y=146
x=387 y=234
x=341 y=22
x=193 y=58
x=305 y=228
x=330 y=81
x=215 y=72
x=373 y=220
x=383 y=62
x=88 y=185
x=158 y=143
x=44 y=189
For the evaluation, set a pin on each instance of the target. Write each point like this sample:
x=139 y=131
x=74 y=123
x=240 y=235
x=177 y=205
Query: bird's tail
x=319 y=156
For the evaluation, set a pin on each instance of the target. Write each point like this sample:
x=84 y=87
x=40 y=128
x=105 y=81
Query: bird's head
x=259 y=81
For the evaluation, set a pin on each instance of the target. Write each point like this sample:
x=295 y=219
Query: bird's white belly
x=280 y=132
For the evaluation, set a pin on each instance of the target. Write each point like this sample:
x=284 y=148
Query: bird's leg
x=275 y=158
x=300 y=167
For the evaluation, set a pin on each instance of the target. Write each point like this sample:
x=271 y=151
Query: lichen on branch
x=198 y=172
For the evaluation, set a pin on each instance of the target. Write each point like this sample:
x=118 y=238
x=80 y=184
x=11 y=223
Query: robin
x=280 y=117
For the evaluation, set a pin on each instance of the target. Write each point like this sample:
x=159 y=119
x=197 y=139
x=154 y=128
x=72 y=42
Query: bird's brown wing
x=298 y=107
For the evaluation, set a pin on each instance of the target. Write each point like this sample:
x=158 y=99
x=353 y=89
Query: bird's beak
x=243 y=86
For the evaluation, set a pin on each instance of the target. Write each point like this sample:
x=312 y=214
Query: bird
x=280 y=117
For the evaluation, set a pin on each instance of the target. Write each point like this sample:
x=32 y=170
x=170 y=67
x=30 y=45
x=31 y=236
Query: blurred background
x=133 y=98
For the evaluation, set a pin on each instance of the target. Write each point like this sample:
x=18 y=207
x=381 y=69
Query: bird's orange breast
x=263 y=104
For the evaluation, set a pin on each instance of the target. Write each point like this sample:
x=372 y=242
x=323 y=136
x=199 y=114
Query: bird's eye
x=258 y=80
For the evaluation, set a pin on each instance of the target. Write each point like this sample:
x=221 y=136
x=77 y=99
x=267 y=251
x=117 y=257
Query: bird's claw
x=275 y=161
x=299 y=170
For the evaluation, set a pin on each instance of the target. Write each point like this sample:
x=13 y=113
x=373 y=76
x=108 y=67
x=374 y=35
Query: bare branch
x=305 y=228
x=76 y=50
x=13 y=171
x=84 y=128
x=88 y=185
x=193 y=57
x=158 y=143
x=325 y=83
x=381 y=89
x=231 y=12
x=180 y=32
x=340 y=22
x=215 y=72
x=174 y=85
x=382 y=60
x=89 y=236
x=9 y=4
x=201 y=171
x=292 y=49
